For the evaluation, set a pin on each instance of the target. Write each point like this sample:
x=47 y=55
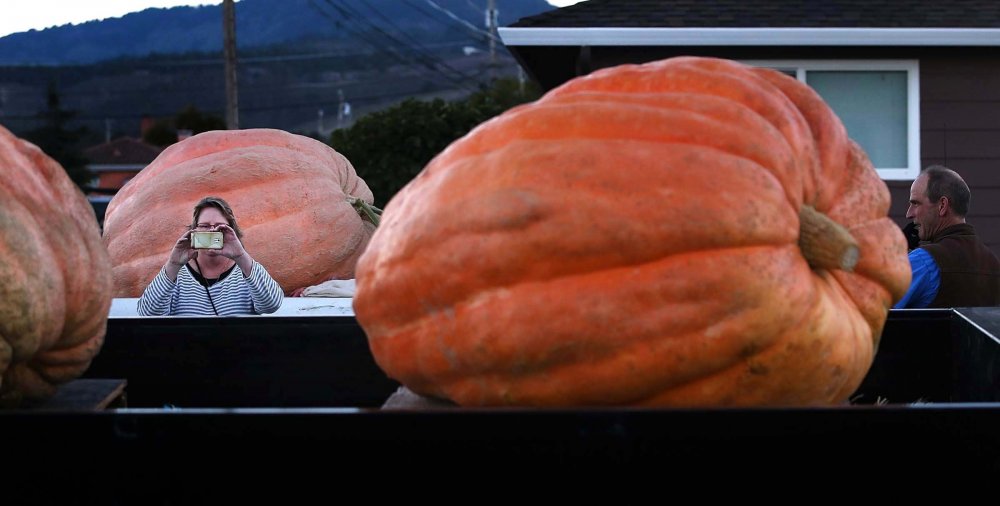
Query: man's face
x=922 y=211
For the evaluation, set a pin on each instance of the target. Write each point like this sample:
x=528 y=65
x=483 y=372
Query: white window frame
x=912 y=69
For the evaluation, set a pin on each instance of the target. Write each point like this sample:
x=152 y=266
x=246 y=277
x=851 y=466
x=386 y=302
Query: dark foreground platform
x=227 y=408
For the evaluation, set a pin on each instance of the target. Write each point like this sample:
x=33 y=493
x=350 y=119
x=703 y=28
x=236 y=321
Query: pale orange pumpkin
x=292 y=197
x=688 y=232
x=55 y=276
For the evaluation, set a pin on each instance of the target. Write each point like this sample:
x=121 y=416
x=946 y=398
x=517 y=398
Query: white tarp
x=291 y=306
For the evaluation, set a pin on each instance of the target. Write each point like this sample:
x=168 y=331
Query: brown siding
x=942 y=114
x=960 y=128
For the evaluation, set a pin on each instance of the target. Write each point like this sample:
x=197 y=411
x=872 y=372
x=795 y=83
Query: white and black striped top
x=232 y=295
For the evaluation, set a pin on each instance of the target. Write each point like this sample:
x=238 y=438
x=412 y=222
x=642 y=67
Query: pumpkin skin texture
x=55 y=276
x=633 y=238
x=290 y=195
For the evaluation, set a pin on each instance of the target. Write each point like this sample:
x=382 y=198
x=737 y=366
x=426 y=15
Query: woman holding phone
x=211 y=279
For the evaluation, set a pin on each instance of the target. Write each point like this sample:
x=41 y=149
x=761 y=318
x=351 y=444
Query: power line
x=430 y=15
x=70 y=97
x=265 y=59
x=465 y=23
x=413 y=43
x=356 y=98
x=429 y=60
x=422 y=59
x=476 y=8
x=391 y=53
x=393 y=25
x=379 y=47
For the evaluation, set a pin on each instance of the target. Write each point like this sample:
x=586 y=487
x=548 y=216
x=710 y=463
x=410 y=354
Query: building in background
x=113 y=164
x=916 y=82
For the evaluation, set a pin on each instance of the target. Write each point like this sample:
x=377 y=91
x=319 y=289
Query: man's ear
x=943 y=206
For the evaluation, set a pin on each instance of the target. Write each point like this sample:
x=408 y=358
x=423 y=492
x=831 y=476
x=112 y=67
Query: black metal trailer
x=231 y=407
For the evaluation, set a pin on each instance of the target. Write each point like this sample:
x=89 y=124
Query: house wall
x=959 y=109
x=960 y=129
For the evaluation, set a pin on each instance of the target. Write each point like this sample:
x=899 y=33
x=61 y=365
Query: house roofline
x=596 y=36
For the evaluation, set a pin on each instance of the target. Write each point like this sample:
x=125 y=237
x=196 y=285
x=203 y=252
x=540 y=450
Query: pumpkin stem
x=825 y=243
x=365 y=209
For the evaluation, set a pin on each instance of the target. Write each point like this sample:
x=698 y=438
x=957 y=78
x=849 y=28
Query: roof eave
x=597 y=36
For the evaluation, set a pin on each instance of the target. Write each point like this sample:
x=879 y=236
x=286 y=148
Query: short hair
x=221 y=205
x=944 y=182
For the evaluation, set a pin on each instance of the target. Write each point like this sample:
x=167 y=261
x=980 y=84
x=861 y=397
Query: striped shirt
x=232 y=295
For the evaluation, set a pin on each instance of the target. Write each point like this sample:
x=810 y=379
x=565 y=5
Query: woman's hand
x=232 y=248
x=182 y=252
x=180 y=255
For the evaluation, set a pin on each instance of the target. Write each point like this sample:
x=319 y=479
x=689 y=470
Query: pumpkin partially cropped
x=687 y=232
x=292 y=197
x=55 y=276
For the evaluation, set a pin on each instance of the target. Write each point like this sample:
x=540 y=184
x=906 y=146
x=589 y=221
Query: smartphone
x=206 y=240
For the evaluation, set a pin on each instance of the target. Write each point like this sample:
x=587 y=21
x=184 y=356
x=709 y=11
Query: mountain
x=305 y=66
x=259 y=23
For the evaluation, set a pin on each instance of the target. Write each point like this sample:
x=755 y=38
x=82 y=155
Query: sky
x=23 y=15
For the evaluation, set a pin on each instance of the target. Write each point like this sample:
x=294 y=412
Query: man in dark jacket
x=951 y=267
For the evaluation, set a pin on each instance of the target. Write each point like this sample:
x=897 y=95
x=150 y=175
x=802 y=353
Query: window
x=878 y=101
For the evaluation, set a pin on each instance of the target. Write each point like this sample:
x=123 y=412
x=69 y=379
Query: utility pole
x=229 y=50
x=491 y=24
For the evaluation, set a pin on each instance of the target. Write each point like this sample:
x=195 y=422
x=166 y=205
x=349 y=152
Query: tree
x=60 y=142
x=164 y=132
x=197 y=122
x=160 y=134
x=390 y=147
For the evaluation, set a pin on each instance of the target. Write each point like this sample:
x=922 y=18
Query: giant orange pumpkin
x=55 y=276
x=292 y=197
x=688 y=232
